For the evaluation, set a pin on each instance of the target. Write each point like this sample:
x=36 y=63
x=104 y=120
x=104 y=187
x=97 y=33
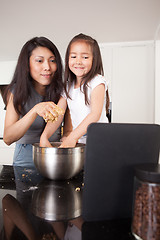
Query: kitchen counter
x=52 y=207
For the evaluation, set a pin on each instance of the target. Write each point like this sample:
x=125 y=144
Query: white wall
x=105 y=20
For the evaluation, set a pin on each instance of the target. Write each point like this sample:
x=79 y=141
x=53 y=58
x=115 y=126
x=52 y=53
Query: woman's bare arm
x=52 y=127
x=14 y=127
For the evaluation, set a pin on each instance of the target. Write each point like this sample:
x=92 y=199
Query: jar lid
x=148 y=172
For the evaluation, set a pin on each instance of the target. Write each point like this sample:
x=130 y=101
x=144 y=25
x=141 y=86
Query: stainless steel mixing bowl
x=59 y=163
x=57 y=200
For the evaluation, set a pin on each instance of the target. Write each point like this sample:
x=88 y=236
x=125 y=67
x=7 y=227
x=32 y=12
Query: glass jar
x=146 y=207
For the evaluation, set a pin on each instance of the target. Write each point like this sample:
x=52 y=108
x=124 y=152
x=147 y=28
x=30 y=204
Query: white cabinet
x=2 y=116
x=157 y=82
x=6 y=153
x=7 y=69
x=130 y=69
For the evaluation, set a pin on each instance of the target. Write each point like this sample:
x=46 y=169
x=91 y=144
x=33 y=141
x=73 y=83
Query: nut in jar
x=146 y=211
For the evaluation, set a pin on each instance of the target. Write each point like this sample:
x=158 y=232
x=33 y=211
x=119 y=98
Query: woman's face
x=42 y=66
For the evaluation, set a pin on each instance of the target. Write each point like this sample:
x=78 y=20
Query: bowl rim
x=78 y=145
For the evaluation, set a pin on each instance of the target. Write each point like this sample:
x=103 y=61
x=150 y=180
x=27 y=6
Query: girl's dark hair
x=21 y=81
x=97 y=66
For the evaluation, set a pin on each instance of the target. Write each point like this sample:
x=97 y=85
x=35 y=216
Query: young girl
x=85 y=91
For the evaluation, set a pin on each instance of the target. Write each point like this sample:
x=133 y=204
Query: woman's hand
x=43 y=108
x=44 y=142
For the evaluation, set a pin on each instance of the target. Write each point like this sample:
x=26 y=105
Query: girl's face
x=42 y=66
x=80 y=58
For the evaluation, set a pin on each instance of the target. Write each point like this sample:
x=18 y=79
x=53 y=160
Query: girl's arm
x=14 y=127
x=97 y=100
x=50 y=127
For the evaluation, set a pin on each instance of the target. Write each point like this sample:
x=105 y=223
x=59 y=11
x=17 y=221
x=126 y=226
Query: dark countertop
x=52 y=206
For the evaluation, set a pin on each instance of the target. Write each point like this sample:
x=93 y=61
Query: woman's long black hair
x=22 y=79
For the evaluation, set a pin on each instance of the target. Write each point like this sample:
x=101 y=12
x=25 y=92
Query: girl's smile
x=80 y=59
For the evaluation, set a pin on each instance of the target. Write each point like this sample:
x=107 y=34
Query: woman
x=36 y=84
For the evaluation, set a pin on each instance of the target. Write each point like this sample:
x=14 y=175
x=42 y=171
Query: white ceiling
x=60 y=20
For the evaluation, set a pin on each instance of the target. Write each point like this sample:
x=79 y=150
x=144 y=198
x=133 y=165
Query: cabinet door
x=7 y=69
x=157 y=82
x=2 y=116
x=133 y=84
x=6 y=153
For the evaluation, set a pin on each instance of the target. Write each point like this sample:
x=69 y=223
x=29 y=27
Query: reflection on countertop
x=51 y=209
x=49 y=206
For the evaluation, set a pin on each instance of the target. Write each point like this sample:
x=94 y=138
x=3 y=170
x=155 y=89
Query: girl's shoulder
x=97 y=80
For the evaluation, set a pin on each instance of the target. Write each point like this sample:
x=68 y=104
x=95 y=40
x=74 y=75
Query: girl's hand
x=68 y=142
x=43 y=108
